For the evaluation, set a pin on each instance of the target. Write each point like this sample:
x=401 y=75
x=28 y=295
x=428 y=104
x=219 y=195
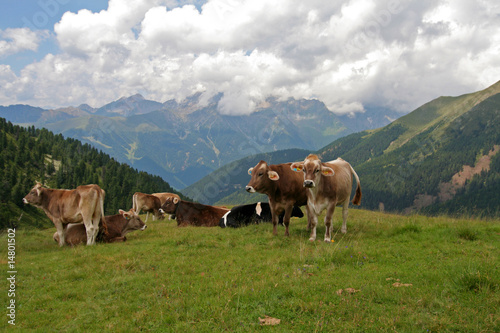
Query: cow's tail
x=103 y=219
x=357 y=197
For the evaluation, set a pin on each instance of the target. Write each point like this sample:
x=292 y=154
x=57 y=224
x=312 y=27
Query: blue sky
x=39 y=15
x=349 y=54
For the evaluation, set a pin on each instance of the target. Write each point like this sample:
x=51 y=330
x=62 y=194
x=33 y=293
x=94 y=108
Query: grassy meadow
x=389 y=273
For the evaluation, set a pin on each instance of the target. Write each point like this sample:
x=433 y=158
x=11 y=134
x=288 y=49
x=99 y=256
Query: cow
x=328 y=185
x=163 y=197
x=118 y=226
x=147 y=203
x=253 y=213
x=193 y=214
x=282 y=186
x=83 y=204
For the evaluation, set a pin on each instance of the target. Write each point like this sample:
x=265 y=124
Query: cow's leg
x=89 y=229
x=344 y=216
x=313 y=222
x=61 y=232
x=286 y=218
x=328 y=222
x=275 y=218
x=147 y=215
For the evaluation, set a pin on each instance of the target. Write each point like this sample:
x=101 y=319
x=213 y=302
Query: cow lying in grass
x=118 y=226
x=252 y=214
x=193 y=214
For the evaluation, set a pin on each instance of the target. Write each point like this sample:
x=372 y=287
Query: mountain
x=28 y=155
x=184 y=141
x=440 y=158
x=126 y=106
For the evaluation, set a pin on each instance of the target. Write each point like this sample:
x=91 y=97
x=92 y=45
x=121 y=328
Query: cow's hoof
x=328 y=240
x=312 y=239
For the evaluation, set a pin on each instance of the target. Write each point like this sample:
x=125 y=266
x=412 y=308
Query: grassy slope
x=173 y=279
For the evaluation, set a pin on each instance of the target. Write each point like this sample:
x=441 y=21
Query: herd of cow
x=311 y=183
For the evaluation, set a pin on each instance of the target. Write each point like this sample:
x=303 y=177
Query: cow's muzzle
x=309 y=183
x=250 y=189
x=144 y=228
x=25 y=201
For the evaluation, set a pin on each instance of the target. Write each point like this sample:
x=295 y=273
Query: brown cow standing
x=147 y=203
x=85 y=203
x=283 y=188
x=328 y=185
x=195 y=214
x=118 y=226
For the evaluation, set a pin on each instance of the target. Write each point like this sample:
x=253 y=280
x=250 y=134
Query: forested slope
x=28 y=155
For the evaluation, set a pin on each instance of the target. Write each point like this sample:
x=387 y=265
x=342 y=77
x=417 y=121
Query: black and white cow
x=252 y=214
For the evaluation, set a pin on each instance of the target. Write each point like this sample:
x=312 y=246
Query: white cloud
x=16 y=40
x=396 y=53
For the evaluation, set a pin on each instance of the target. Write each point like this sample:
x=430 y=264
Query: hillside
x=415 y=162
x=29 y=155
x=184 y=141
x=441 y=158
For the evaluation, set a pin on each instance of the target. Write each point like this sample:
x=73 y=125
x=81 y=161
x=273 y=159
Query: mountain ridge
x=184 y=141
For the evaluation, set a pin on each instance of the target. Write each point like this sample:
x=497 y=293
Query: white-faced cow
x=83 y=204
x=282 y=186
x=118 y=226
x=193 y=214
x=328 y=185
x=252 y=214
x=147 y=203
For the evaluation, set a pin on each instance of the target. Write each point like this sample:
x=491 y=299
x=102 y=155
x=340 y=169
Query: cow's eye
x=316 y=171
x=261 y=174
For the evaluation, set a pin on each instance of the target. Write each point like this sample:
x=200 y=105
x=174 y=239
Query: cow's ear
x=327 y=171
x=297 y=166
x=175 y=201
x=250 y=171
x=125 y=214
x=273 y=175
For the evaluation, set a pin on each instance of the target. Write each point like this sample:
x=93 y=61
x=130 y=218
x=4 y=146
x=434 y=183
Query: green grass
x=169 y=279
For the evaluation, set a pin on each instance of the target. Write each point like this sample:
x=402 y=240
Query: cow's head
x=313 y=169
x=134 y=222
x=262 y=178
x=34 y=197
x=170 y=205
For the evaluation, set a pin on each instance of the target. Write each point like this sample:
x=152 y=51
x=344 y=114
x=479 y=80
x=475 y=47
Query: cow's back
x=195 y=214
x=340 y=184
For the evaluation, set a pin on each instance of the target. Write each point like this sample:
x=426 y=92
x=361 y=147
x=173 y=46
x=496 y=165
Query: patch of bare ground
x=447 y=190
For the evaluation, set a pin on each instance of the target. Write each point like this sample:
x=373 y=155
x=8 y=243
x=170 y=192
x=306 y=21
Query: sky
x=351 y=54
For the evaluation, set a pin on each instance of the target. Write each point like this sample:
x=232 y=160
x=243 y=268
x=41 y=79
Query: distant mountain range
x=441 y=158
x=183 y=142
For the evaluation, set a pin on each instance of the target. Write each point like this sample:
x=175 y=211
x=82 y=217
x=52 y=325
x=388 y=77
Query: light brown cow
x=147 y=203
x=85 y=203
x=118 y=226
x=328 y=185
x=163 y=197
x=283 y=188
